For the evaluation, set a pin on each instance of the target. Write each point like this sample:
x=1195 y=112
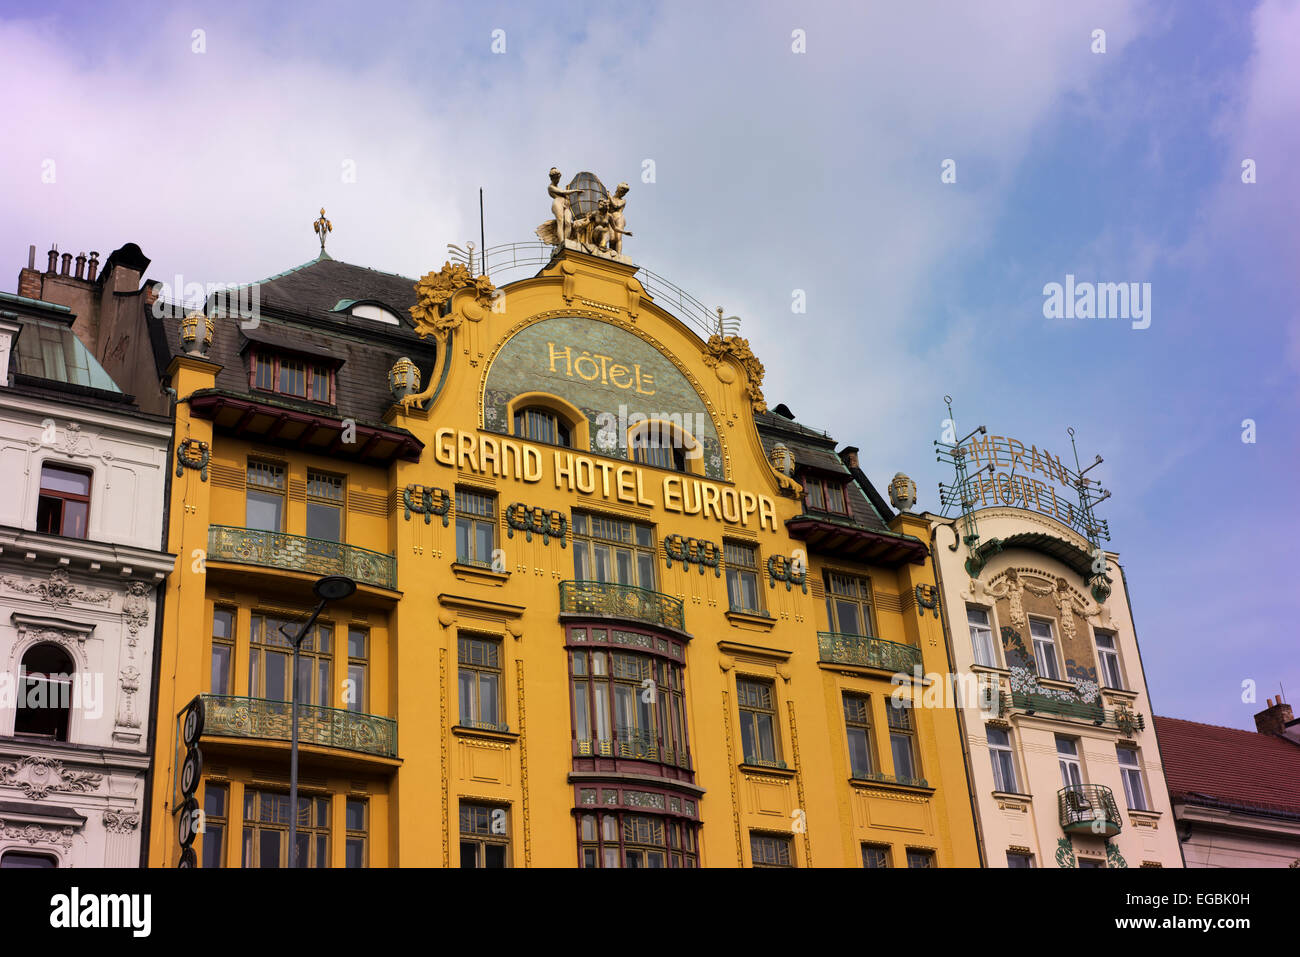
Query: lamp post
x=328 y=589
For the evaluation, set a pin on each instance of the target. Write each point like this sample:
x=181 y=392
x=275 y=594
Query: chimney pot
x=94 y=266
x=81 y=265
x=67 y=265
x=31 y=256
x=54 y=259
x=1274 y=718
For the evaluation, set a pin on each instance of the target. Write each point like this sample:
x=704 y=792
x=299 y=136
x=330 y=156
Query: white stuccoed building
x=83 y=478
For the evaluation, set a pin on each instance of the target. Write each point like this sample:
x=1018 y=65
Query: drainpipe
x=961 y=711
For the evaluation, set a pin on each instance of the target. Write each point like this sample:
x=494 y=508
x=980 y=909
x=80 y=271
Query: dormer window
x=375 y=313
x=823 y=494
x=293 y=376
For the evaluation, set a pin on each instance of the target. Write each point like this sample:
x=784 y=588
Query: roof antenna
x=482 y=237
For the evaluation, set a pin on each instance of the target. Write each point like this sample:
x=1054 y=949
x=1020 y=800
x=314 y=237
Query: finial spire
x=323 y=227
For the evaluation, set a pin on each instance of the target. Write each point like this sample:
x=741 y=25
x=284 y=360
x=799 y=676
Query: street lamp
x=328 y=589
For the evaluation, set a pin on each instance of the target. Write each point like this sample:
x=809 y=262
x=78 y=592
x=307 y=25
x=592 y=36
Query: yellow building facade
x=611 y=610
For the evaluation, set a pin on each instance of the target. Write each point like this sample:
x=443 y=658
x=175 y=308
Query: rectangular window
x=358 y=664
x=981 y=637
x=919 y=858
x=742 y=577
x=902 y=741
x=1019 y=860
x=484 y=836
x=1067 y=756
x=476 y=529
x=1130 y=770
x=857 y=721
x=822 y=494
x=636 y=840
x=64 y=504
x=1044 y=648
x=612 y=550
x=479 y=683
x=1004 y=761
x=770 y=850
x=216 y=798
x=264 y=508
x=758 y=722
x=292 y=376
x=848 y=604
x=324 y=506
x=223 y=650
x=356 y=824
x=1108 y=657
x=875 y=855
x=266 y=830
x=271 y=658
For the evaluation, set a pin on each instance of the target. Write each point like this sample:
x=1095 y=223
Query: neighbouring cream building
x=82 y=477
x=1065 y=768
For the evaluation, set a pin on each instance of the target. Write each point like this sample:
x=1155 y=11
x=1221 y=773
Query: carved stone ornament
x=36 y=776
x=57 y=590
x=737 y=348
x=126 y=715
x=435 y=290
x=121 y=822
x=135 y=609
x=193 y=454
x=35 y=834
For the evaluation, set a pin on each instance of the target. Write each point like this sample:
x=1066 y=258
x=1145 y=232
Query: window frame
x=750 y=715
x=818 y=486
x=482 y=840
x=779 y=843
x=739 y=573
x=278 y=470
x=45 y=494
x=525 y=419
x=60 y=686
x=1007 y=753
x=318 y=496
x=1132 y=772
x=252 y=826
x=361 y=704
x=214 y=822
x=864 y=600
x=275 y=362
x=475 y=522
x=1055 y=651
x=1111 y=653
x=921 y=858
x=601 y=844
x=226 y=642
x=864 y=726
x=489 y=668
x=903 y=732
x=352 y=835
x=309 y=656
x=636 y=539
x=884 y=850
x=985 y=627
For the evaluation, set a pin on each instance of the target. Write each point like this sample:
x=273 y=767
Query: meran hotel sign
x=609 y=479
x=1005 y=472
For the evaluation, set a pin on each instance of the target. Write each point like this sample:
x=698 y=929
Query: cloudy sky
x=776 y=171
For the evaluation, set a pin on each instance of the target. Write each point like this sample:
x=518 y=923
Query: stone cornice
x=129 y=420
x=21 y=547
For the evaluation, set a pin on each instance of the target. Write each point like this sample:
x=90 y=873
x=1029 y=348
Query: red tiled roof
x=1228 y=764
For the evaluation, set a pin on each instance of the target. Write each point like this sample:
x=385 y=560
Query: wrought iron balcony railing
x=880 y=777
x=764 y=763
x=228 y=716
x=610 y=599
x=866 y=652
x=638 y=745
x=1121 y=719
x=1088 y=808
x=251 y=546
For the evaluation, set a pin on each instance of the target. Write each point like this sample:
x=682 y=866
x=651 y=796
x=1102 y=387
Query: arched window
x=662 y=445
x=26 y=859
x=45 y=702
x=542 y=425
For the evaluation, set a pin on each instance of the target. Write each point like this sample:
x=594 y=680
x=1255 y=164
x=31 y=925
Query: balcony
x=267 y=720
x=1088 y=809
x=612 y=600
x=636 y=745
x=865 y=652
x=1120 y=719
x=297 y=553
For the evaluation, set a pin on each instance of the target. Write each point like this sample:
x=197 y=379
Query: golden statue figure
x=617 y=203
x=560 y=229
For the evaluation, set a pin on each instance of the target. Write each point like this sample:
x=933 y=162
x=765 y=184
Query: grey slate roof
x=295 y=309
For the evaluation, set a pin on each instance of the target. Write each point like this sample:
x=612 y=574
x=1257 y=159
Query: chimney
x=1274 y=718
x=29 y=280
x=849 y=456
x=67 y=264
x=94 y=266
x=81 y=265
x=54 y=260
